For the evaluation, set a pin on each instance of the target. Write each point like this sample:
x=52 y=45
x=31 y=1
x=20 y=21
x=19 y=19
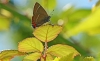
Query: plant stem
x=46 y=46
x=45 y=49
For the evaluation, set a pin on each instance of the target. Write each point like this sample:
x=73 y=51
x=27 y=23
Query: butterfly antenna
x=51 y=13
x=50 y=16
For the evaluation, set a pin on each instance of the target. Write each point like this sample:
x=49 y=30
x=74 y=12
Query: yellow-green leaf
x=57 y=59
x=89 y=24
x=60 y=50
x=4 y=23
x=67 y=57
x=48 y=58
x=32 y=57
x=88 y=59
x=7 y=59
x=9 y=54
x=96 y=6
x=47 y=33
x=30 y=45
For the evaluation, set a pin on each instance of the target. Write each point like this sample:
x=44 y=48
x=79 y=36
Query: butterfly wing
x=38 y=9
x=39 y=15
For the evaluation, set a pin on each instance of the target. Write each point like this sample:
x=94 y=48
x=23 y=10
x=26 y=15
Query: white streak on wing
x=36 y=12
x=37 y=17
x=37 y=8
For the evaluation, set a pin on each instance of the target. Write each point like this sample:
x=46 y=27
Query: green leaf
x=32 y=57
x=7 y=55
x=46 y=33
x=67 y=57
x=60 y=50
x=30 y=45
x=78 y=14
x=88 y=59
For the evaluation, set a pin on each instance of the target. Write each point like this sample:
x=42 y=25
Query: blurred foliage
x=81 y=26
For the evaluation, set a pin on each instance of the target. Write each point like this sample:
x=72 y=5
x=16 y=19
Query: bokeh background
x=80 y=20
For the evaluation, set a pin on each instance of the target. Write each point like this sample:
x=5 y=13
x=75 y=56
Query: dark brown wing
x=39 y=15
x=38 y=9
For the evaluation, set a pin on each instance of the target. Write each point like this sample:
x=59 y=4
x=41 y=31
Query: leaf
x=47 y=33
x=88 y=59
x=96 y=6
x=60 y=50
x=67 y=57
x=7 y=59
x=98 y=57
x=57 y=59
x=32 y=57
x=4 y=23
x=90 y=23
x=7 y=55
x=78 y=14
x=48 y=58
x=30 y=45
x=6 y=13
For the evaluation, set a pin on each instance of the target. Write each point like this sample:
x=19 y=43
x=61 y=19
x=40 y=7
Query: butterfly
x=40 y=16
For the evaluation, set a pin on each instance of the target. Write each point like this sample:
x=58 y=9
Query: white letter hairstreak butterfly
x=40 y=16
